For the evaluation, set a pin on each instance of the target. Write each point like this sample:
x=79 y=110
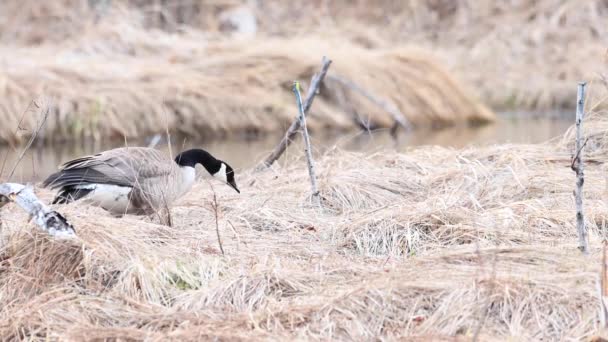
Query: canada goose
x=133 y=180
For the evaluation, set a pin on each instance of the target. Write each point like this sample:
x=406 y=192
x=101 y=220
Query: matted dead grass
x=432 y=244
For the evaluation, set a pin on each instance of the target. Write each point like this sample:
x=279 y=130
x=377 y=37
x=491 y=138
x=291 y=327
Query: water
x=39 y=162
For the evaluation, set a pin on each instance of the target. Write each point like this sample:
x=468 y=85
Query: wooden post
x=307 y=146
x=315 y=83
x=47 y=219
x=578 y=167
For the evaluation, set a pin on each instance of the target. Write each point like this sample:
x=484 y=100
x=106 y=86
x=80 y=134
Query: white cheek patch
x=221 y=174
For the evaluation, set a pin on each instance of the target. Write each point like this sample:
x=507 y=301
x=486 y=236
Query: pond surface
x=39 y=162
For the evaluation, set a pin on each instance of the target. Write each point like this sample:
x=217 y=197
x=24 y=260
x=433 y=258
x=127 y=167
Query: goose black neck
x=198 y=156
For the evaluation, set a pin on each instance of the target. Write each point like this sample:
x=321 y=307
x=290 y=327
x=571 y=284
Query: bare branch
x=578 y=167
x=387 y=106
x=47 y=219
x=315 y=83
x=307 y=147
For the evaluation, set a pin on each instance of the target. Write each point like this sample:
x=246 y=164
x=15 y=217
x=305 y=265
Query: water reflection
x=40 y=161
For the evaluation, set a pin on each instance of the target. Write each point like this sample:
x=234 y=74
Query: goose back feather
x=142 y=179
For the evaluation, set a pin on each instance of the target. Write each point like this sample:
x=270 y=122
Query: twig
x=578 y=152
x=387 y=106
x=307 y=147
x=29 y=143
x=4 y=160
x=315 y=83
x=578 y=167
x=215 y=207
x=47 y=219
x=364 y=125
x=236 y=234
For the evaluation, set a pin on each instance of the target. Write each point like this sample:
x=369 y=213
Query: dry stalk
x=30 y=141
x=315 y=83
x=578 y=167
x=215 y=207
x=307 y=145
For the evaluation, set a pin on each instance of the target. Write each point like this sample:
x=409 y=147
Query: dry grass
x=426 y=244
x=517 y=54
x=119 y=78
x=128 y=68
x=223 y=88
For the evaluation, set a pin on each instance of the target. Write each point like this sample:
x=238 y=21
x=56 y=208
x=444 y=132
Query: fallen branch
x=315 y=83
x=387 y=106
x=307 y=147
x=363 y=124
x=578 y=167
x=47 y=219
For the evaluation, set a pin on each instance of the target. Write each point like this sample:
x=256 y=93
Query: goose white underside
x=113 y=198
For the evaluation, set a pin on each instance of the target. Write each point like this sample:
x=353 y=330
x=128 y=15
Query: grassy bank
x=220 y=89
x=115 y=69
x=522 y=54
x=432 y=243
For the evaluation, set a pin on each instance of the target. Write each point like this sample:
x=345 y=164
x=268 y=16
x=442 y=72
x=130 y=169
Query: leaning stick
x=315 y=83
x=578 y=167
x=47 y=219
x=307 y=147
x=387 y=106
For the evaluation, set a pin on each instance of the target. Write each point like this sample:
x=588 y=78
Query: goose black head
x=217 y=168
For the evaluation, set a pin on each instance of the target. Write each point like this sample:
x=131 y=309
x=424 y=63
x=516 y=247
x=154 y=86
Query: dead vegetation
x=219 y=89
x=120 y=69
x=517 y=54
x=432 y=244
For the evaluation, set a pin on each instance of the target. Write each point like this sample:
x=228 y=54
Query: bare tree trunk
x=578 y=167
x=47 y=219
x=315 y=83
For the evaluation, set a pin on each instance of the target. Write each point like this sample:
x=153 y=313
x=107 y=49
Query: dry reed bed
x=423 y=244
x=517 y=54
x=120 y=79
